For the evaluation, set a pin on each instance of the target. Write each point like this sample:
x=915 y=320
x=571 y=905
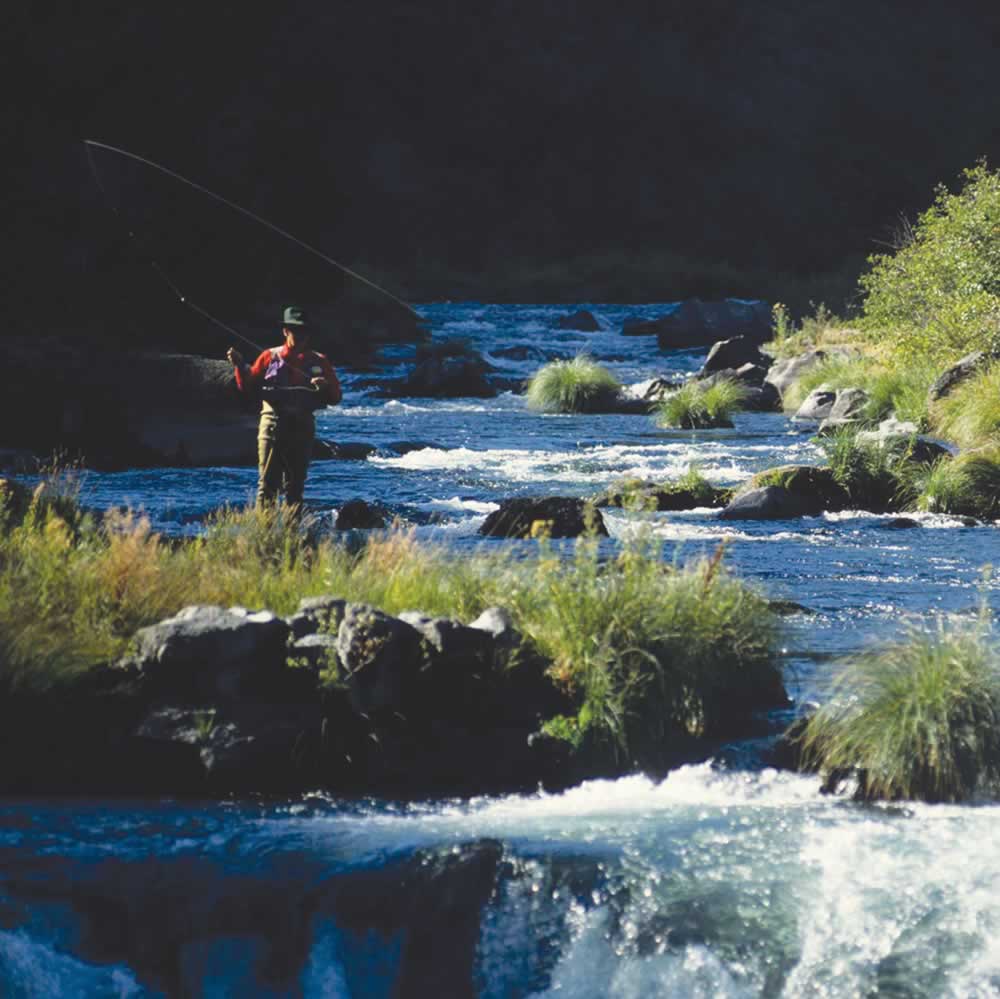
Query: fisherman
x=293 y=381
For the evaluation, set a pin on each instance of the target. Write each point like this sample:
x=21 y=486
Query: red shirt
x=303 y=366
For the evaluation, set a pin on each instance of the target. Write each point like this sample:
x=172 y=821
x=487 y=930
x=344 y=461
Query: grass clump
x=651 y=650
x=695 y=406
x=821 y=329
x=970 y=413
x=915 y=719
x=874 y=476
x=968 y=485
x=577 y=386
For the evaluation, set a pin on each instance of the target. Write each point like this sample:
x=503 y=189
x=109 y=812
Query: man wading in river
x=293 y=381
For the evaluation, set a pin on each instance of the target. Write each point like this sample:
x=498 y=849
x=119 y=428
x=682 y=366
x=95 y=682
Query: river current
x=726 y=879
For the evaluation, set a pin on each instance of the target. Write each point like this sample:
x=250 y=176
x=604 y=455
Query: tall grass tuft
x=577 y=386
x=653 y=650
x=875 y=477
x=968 y=485
x=970 y=413
x=916 y=719
x=695 y=406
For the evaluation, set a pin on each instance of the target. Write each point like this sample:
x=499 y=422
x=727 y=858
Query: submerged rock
x=555 y=516
x=582 y=320
x=700 y=324
x=359 y=514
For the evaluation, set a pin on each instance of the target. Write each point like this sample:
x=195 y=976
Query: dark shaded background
x=506 y=151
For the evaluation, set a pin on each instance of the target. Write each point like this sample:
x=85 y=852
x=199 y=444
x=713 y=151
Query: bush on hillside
x=938 y=294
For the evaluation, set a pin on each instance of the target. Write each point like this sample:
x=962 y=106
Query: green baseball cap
x=294 y=316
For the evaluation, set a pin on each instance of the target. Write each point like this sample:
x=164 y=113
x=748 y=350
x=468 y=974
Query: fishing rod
x=91 y=145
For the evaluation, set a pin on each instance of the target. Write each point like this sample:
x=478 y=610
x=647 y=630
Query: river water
x=726 y=879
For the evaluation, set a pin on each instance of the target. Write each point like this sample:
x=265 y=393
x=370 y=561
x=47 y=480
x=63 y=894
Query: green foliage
x=899 y=387
x=970 y=413
x=968 y=485
x=918 y=718
x=577 y=386
x=819 y=329
x=938 y=294
x=651 y=650
x=874 y=477
x=695 y=406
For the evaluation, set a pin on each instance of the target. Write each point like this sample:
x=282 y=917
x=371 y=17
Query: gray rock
x=317 y=614
x=817 y=405
x=207 y=651
x=783 y=373
x=961 y=370
x=769 y=503
x=849 y=404
x=732 y=354
x=495 y=620
x=896 y=433
x=382 y=657
x=318 y=651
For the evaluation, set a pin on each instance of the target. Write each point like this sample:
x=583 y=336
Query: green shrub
x=919 y=718
x=968 y=485
x=695 y=406
x=577 y=386
x=653 y=651
x=938 y=294
x=970 y=414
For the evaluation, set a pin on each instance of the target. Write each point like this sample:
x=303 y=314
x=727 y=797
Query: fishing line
x=92 y=144
x=171 y=284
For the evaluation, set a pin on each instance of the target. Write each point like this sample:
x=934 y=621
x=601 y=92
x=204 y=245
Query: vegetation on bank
x=646 y=647
x=696 y=406
x=577 y=386
x=932 y=299
x=915 y=719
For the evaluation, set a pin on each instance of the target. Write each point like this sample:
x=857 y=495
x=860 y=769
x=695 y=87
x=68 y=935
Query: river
x=726 y=879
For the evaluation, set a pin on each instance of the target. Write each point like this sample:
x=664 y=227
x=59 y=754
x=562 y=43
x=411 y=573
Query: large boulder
x=382 y=658
x=204 y=653
x=848 y=409
x=817 y=405
x=644 y=495
x=581 y=320
x=556 y=516
x=359 y=514
x=700 y=324
x=785 y=492
x=731 y=354
x=789 y=370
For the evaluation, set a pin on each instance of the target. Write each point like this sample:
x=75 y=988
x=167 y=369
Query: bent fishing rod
x=91 y=145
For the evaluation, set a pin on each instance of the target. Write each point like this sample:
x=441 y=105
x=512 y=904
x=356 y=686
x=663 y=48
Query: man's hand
x=319 y=383
x=234 y=357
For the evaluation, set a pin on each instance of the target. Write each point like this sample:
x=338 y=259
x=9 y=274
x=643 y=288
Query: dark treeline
x=509 y=151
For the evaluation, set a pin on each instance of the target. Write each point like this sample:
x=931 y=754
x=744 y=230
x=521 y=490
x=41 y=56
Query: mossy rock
x=644 y=495
x=813 y=481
